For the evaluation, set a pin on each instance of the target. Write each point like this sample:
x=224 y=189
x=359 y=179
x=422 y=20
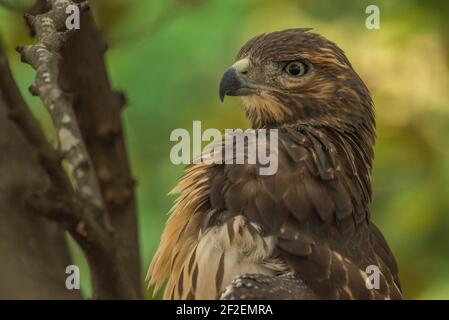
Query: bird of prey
x=303 y=232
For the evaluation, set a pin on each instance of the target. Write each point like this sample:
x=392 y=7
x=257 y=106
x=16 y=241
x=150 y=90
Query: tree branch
x=98 y=109
x=44 y=57
x=82 y=211
x=263 y=287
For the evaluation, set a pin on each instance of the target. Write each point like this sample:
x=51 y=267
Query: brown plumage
x=310 y=220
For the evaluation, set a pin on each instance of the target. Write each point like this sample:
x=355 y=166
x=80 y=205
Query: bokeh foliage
x=168 y=57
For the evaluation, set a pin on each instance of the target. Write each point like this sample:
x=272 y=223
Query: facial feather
x=330 y=91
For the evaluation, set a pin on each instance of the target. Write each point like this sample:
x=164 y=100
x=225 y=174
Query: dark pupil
x=294 y=69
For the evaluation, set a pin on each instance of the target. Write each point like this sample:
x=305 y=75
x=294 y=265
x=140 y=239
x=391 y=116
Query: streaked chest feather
x=217 y=255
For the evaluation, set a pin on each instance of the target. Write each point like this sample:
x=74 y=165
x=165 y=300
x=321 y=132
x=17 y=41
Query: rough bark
x=263 y=287
x=98 y=210
x=98 y=109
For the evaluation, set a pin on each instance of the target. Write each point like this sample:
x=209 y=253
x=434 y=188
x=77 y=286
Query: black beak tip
x=229 y=83
x=222 y=96
x=223 y=89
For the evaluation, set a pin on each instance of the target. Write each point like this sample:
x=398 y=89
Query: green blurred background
x=168 y=57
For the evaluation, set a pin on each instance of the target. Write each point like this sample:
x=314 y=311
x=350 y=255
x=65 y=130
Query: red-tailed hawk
x=305 y=231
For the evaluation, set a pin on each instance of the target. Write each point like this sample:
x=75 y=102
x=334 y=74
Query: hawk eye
x=296 y=68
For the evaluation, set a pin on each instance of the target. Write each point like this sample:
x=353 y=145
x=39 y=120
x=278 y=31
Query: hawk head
x=297 y=77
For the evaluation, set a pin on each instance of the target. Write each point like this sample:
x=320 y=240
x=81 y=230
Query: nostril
x=244 y=72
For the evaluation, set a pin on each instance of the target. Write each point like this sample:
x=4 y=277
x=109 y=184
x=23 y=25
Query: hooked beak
x=234 y=81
